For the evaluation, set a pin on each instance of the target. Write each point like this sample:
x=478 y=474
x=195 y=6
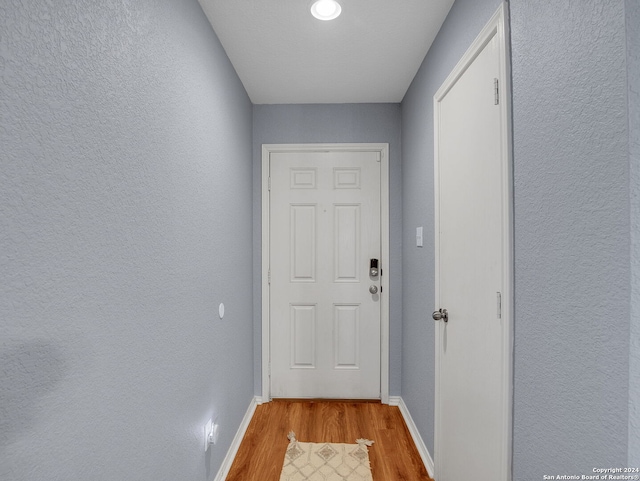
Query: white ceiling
x=283 y=55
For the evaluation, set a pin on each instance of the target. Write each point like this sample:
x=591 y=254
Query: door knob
x=440 y=315
x=373 y=289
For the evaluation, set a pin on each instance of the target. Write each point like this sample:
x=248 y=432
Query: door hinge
x=496 y=90
x=499 y=304
x=269 y=277
x=269 y=182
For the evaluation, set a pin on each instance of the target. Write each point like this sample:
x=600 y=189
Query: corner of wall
x=632 y=11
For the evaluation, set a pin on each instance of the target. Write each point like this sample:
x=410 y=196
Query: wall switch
x=208 y=434
x=215 y=433
x=419 y=238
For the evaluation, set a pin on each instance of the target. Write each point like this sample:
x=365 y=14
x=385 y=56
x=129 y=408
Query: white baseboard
x=417 y=439
x=235 y=444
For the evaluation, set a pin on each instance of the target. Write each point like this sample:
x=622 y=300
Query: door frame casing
x=383 y=149
x=498 y=26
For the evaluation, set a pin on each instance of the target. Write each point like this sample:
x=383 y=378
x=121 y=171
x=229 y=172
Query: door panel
x=302 y=229
x=303 y=336
x=347 y=242
x=470 y=255
x=324 y=229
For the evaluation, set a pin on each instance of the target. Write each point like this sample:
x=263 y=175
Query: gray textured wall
x=332 y=123
x=571 y=184
x=633 y=69
x=465 y=20
x=125 y=219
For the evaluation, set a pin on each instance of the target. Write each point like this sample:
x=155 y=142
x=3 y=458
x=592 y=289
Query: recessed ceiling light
x=326 y=9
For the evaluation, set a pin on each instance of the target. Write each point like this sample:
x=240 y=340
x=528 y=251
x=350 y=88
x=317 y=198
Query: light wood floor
x=393 y=456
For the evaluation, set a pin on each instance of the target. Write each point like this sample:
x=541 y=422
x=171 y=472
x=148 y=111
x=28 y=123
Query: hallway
x=393 y=456
x=130 y=235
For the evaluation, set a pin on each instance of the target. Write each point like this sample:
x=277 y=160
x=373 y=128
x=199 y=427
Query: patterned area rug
x=326 y=461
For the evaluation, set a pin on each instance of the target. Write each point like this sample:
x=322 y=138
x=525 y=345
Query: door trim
x=383 y=149
x=498 y=27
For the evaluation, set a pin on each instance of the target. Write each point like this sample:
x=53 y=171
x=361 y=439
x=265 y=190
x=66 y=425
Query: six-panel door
x=324 y=230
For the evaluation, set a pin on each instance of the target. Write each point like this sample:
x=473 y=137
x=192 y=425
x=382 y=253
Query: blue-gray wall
x=464 y=22
x=572 y=233
x=332 y=123
x=125 y=219
x=633 y=69
x=571 y=184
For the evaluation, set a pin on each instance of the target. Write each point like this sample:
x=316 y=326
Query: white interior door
x=472 y=235
x=324 y=230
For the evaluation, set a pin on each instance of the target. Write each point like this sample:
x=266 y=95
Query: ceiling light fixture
x=326 y=9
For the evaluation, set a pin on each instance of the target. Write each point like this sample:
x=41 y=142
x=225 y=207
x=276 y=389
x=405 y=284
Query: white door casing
x=473 y=219
x=325 y=214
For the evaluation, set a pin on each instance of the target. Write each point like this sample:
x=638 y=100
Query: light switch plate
x=208 y=431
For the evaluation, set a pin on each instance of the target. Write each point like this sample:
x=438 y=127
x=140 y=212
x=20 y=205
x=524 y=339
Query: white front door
x=472 y=240
x=324 y=231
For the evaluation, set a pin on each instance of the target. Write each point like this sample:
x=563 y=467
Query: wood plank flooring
x=393 y=456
